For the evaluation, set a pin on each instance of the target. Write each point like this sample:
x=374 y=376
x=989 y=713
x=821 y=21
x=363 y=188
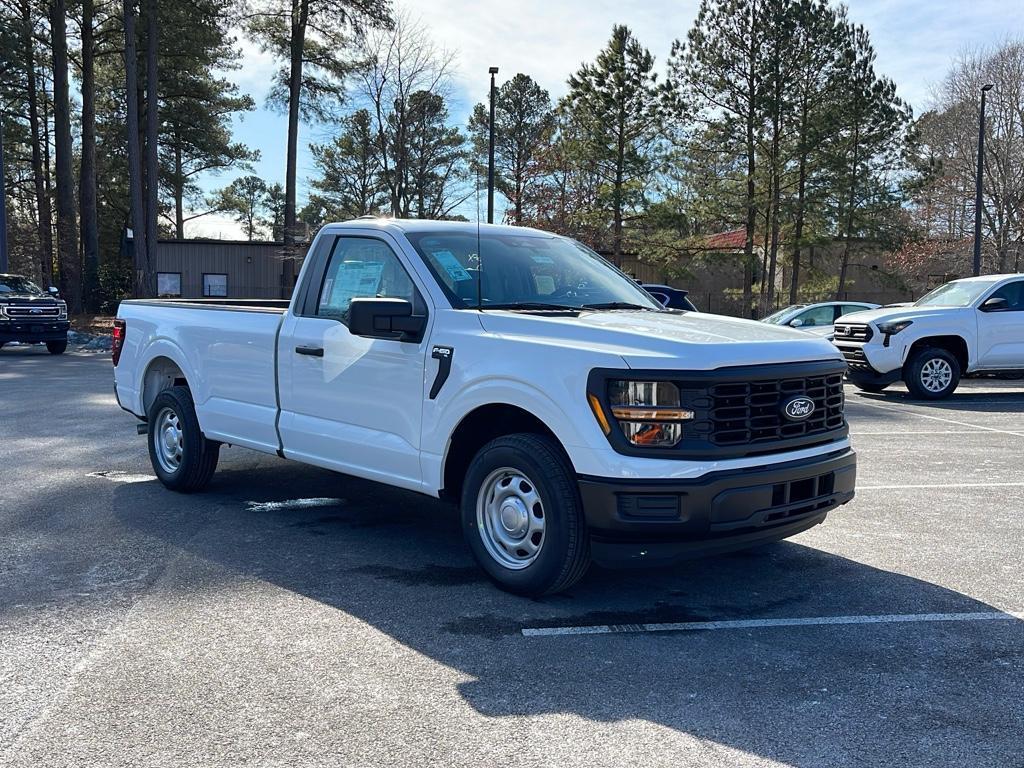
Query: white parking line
x=938 y=485
x=814 y=621
x=116 y=476
x=921 y=432
x=939 y=418
x=277 y=506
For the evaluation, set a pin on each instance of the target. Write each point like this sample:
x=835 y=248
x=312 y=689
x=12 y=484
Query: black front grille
x=28 y=312
x=853 y=332
x=751 y=413
x=854 y=356
x=741 y=411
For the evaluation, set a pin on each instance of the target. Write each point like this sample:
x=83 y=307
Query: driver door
x=1001 y=331
x=352 y=403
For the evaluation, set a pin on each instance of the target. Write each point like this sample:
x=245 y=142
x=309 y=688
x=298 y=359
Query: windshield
x=959 y=293
x=779 y=317
x=17 y=284
x=525 y=272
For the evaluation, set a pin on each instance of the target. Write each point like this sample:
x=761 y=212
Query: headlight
x=894 y=327
x=63 y=305
x=648 y=412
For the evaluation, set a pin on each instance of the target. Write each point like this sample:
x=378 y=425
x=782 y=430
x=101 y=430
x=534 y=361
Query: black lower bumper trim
x=32 y=333
x=715 y=513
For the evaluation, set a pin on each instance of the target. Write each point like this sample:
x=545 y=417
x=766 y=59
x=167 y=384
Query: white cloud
x=218 y=226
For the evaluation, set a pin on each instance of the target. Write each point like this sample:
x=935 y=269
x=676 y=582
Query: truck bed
x=229 y=344
x=240 y=305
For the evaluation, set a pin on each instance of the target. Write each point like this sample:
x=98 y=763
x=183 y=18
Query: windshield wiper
x=617 y=305
x=534 y=305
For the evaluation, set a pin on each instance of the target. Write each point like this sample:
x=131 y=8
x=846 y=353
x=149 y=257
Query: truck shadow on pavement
x=923 y=693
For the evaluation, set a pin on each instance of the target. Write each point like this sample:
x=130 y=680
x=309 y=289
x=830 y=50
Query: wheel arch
x=162 y=372
x=477 y=428
x=952 y=343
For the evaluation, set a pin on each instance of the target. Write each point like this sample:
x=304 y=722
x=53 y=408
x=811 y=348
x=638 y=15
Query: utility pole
x=3 y=206
x=977 y=187
x=490 y=153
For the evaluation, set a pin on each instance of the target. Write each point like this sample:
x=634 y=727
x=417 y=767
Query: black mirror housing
x=385 y=319
x=52 y=291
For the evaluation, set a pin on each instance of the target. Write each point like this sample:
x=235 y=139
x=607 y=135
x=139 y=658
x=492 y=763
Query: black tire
x=56 y=347
x=869 y=387
x=915 y=372
x=564 y=552
x=198 y=457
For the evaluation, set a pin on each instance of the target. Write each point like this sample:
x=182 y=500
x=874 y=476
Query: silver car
x=818 y=319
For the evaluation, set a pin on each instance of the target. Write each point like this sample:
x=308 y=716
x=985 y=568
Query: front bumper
x=659 y=522
x=29 y=332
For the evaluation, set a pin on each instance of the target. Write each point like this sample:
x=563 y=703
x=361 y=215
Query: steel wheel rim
x=510 y=518
x=936 y=374
x=169 y=440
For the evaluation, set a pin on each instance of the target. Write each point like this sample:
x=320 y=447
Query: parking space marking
x=116 y=476
x=813 y=621
x=938 y=485
x=938 y=418
x=921 y=432
x=278 y=506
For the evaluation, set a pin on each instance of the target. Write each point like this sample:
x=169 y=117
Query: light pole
x=490 y=152
x=977 y=186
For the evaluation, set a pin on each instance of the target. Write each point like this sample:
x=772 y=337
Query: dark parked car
x=673 y=298
x=30 y=315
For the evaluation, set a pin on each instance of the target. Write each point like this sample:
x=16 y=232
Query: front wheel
x=522 y=515
x=56 y=347
x=183 y=459
x=932 y=374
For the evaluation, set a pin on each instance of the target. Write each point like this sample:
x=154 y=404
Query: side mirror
x=52 y=291
x=995 y=304
x=796 y=323
x=385 y=319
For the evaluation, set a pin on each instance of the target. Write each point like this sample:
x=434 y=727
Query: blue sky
x=916 y=40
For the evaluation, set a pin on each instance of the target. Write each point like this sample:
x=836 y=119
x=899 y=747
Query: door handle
x=311 y=351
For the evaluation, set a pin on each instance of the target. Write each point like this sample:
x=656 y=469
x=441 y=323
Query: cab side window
x=1014 y=295
x=363 y=267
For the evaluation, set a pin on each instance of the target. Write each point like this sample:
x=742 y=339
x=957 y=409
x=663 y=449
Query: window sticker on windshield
x=451 y=265
x=540 y=258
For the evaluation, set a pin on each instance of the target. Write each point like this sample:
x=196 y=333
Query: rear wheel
x=56 y=347
x=932 y=374
x=183 y=459
x=522 y=515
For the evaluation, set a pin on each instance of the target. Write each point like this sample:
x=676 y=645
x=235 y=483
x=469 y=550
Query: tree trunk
x=851 y=204
x=179 y=193
x=131 y=68
x=798 y=230
x=751 y=122
x=44 y=213
x=87 y=170
x=299 y=16
x=620 y=161
x=67 y=236
x=152 y=137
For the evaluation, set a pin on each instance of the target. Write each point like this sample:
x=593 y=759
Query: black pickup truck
x=30 y=315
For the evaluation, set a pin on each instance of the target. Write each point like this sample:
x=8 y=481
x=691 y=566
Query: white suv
x=966 y=326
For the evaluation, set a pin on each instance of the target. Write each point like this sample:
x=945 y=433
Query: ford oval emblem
x=798 y=408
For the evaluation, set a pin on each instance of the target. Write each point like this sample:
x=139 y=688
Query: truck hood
x=662 y=340
x=884 y=314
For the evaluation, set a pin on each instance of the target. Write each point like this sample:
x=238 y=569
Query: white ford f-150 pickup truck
x=973 y=325
x=515 y=372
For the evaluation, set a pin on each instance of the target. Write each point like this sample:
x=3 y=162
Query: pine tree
x=349 y=183
x=616 y=102
x=524 y=124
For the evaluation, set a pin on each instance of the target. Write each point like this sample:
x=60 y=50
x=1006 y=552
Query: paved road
x=244 y=627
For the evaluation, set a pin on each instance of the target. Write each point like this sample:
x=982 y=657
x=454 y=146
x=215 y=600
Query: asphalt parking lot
x=290 y=616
